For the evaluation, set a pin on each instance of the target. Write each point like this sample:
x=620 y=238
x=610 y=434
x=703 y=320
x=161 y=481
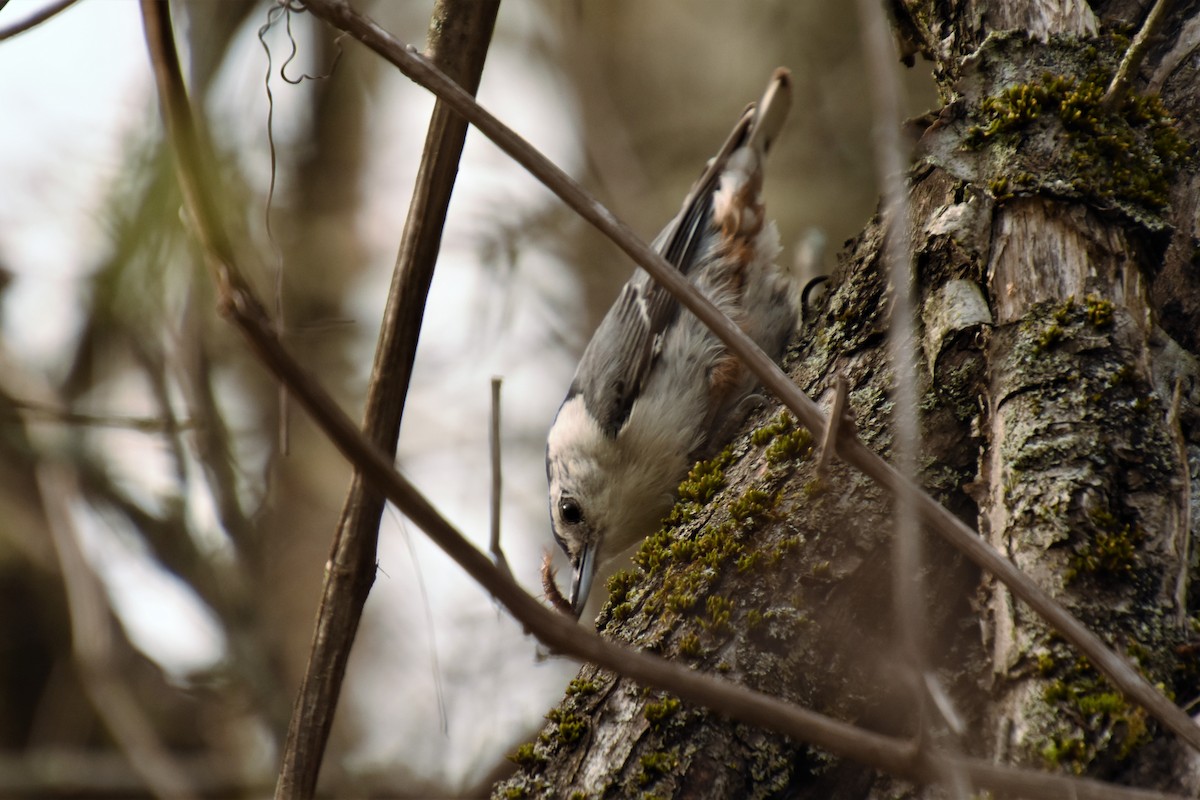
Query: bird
x=655 y=390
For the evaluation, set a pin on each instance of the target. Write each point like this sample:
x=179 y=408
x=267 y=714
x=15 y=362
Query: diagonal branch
x=1114 y=666
x=555 y=630
x=37 y=19
x=460 y=32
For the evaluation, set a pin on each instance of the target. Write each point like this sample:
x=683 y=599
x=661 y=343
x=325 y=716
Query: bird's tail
x=771 y=111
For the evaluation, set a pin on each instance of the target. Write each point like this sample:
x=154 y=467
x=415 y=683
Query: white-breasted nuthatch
x=655 y=389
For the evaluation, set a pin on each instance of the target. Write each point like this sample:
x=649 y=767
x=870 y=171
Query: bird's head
x=581 y=496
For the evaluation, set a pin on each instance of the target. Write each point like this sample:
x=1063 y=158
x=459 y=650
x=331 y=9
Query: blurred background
x=160 y=555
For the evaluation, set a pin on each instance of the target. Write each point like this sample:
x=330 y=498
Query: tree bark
x=1057 y=296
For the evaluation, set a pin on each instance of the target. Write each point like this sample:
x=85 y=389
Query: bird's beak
x=581 y=578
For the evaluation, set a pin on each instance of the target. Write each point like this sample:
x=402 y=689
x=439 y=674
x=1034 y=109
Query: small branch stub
x=494 y=450
x=841 y=423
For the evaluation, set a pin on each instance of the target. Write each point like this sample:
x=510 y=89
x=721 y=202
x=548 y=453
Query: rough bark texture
x=1055 y=244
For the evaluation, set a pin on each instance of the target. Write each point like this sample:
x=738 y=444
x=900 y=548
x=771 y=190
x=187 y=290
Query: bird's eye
x=569 y=510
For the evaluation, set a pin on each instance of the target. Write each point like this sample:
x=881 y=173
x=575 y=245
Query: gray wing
x=618 y=358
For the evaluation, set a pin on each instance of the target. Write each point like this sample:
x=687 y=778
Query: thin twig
x=43 y=412
x=907 y=558
x=37 y=19
x=418 y=69
x=494 y=450
x=901 y=337
x=435 y=662
x=556 y=631
x=1132 y=60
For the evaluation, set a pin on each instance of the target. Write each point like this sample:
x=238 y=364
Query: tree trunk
x=1057 y=294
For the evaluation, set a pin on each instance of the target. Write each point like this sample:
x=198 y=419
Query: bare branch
x=37 y=19
x=494 y=450
x=901 y=338
x=1117 y=668
x=1132 y=60
x=907 y=557
x=44 y=412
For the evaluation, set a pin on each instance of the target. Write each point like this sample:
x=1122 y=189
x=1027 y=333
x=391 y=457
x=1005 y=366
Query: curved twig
x=37 y=19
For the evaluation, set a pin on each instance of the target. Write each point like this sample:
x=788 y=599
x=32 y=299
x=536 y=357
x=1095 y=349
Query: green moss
x=687 y=566
x=781 y=424
x=1014 y=107
x=1061 y=317
x=999 y=188
x=706 y=478
x=1051 y=335
x=571 y=727
x=654 y=551
x=619 y=585
x=1090 y=716
x=1128 y=155
x=815 y=488
x=780 y=550
x=754 y=618
x=683 y=512
x=1123 y=376
x=715 y=544
x=658 y=713
x=1064 y=310
x=754 y=504
x=784 y=440
x=1102 y=703
x=527 y=756
x=719 y=609
x=689 y=645
x=1099 y=311
x=577 y=795
x=683 y=550
x=790 y=446
x=581 y=687
x=1110 y=551
x=681 y=601
x=701 y=485
x=1069 y=753
x=655 y=765
x=748 y=561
